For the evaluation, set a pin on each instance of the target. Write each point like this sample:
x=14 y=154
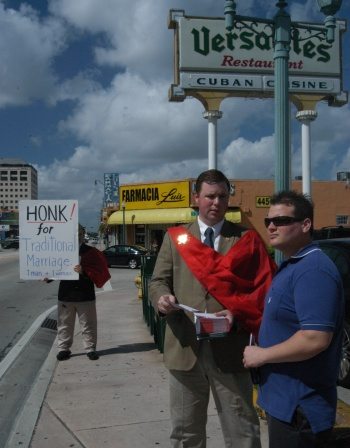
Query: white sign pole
x=212 y=117
x=306 y=117
x=49 y=245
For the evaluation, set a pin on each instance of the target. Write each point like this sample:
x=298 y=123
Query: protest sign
x=49 y=244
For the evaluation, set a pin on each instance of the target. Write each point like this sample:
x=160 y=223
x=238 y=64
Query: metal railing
x=155 y=324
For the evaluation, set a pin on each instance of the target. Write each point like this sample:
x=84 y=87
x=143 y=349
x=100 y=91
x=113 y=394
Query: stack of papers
x=207 y=325
x=211 y=326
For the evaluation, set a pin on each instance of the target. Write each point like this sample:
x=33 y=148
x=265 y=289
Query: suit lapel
x=193 y=228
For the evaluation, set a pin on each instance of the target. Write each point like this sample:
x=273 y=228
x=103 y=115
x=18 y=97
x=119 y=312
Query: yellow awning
x=163 y=216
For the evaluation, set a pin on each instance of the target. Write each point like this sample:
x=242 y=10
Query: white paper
x=180 y=306
x=209 y=316
x=218 y=324
x=48 y=239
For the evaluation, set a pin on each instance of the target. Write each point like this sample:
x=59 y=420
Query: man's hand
x=78 y=269
x=47 y=280
x=165 y=304
x=227 y=314
x=253 y=356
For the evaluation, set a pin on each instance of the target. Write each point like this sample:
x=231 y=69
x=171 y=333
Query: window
x=342 y=220
x=140 y=234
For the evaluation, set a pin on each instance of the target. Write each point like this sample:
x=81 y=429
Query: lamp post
x=282 y=26
x=123 y=229
x=329 y=8
x=282 y=23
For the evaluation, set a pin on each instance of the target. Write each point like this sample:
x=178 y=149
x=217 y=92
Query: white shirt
x=217 y=229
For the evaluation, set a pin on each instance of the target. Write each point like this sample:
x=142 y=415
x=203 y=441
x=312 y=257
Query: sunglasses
x=279 y=221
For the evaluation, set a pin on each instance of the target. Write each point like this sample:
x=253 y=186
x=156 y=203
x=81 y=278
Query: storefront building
x=147 y=210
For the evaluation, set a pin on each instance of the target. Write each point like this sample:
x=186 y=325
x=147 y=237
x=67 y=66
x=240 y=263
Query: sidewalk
x=119 y=401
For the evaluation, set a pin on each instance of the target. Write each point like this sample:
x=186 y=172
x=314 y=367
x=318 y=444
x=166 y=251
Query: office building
x=18 y=180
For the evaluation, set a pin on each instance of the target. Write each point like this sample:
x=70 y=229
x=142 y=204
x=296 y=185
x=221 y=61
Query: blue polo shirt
x=306 y=294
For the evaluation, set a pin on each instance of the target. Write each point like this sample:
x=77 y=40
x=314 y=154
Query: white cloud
x=343 y=164
x=132 y=124
x=75 y=88
x=136 y=34
x=27 y=48
x=238 y=156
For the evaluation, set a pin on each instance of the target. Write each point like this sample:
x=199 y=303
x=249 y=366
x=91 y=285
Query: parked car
x=125 y=255
x=331 y=232
x=10 y=243
x=338 y=250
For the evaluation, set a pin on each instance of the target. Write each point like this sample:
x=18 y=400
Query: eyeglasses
x=279 y=221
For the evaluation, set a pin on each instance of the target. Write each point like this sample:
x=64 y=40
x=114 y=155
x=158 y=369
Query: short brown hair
x=211 y=177
x=302 y=203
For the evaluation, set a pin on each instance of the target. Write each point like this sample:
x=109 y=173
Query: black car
x=331 y=232
x=10 y=243
x=124 y=255
x=338 y=250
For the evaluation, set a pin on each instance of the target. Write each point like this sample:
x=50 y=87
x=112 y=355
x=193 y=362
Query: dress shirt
x=217 y=229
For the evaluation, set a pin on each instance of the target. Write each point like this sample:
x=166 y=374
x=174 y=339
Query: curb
x=22 y=431
x=6 y=363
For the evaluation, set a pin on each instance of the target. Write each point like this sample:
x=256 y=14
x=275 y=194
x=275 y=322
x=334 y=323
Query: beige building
x=147 y=210
x=331 y=199
x=18 y=180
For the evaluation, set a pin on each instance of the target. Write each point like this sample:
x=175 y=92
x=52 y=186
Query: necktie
x=209 y=237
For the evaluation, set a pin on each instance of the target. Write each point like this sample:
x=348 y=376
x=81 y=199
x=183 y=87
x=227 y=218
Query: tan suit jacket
x=172 y=276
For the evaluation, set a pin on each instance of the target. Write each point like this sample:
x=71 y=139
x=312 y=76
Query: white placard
x=49 y=244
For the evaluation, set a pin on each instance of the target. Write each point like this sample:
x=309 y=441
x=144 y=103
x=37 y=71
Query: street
x=21 y=302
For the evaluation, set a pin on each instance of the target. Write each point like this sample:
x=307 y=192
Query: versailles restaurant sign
x=155 y=196
x=209 y=57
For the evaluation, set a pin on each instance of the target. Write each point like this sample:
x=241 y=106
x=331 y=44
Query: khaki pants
x=233 y=396
x=86 y=312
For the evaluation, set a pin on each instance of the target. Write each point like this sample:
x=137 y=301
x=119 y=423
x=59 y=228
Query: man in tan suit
x=198 y=366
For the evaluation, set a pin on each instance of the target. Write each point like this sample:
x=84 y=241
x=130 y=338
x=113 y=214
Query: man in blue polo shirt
x=300 y=337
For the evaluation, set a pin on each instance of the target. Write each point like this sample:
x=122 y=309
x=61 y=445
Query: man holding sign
x=50 y=249
x=77 y=297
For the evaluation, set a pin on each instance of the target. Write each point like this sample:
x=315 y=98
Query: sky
x=84 y=91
